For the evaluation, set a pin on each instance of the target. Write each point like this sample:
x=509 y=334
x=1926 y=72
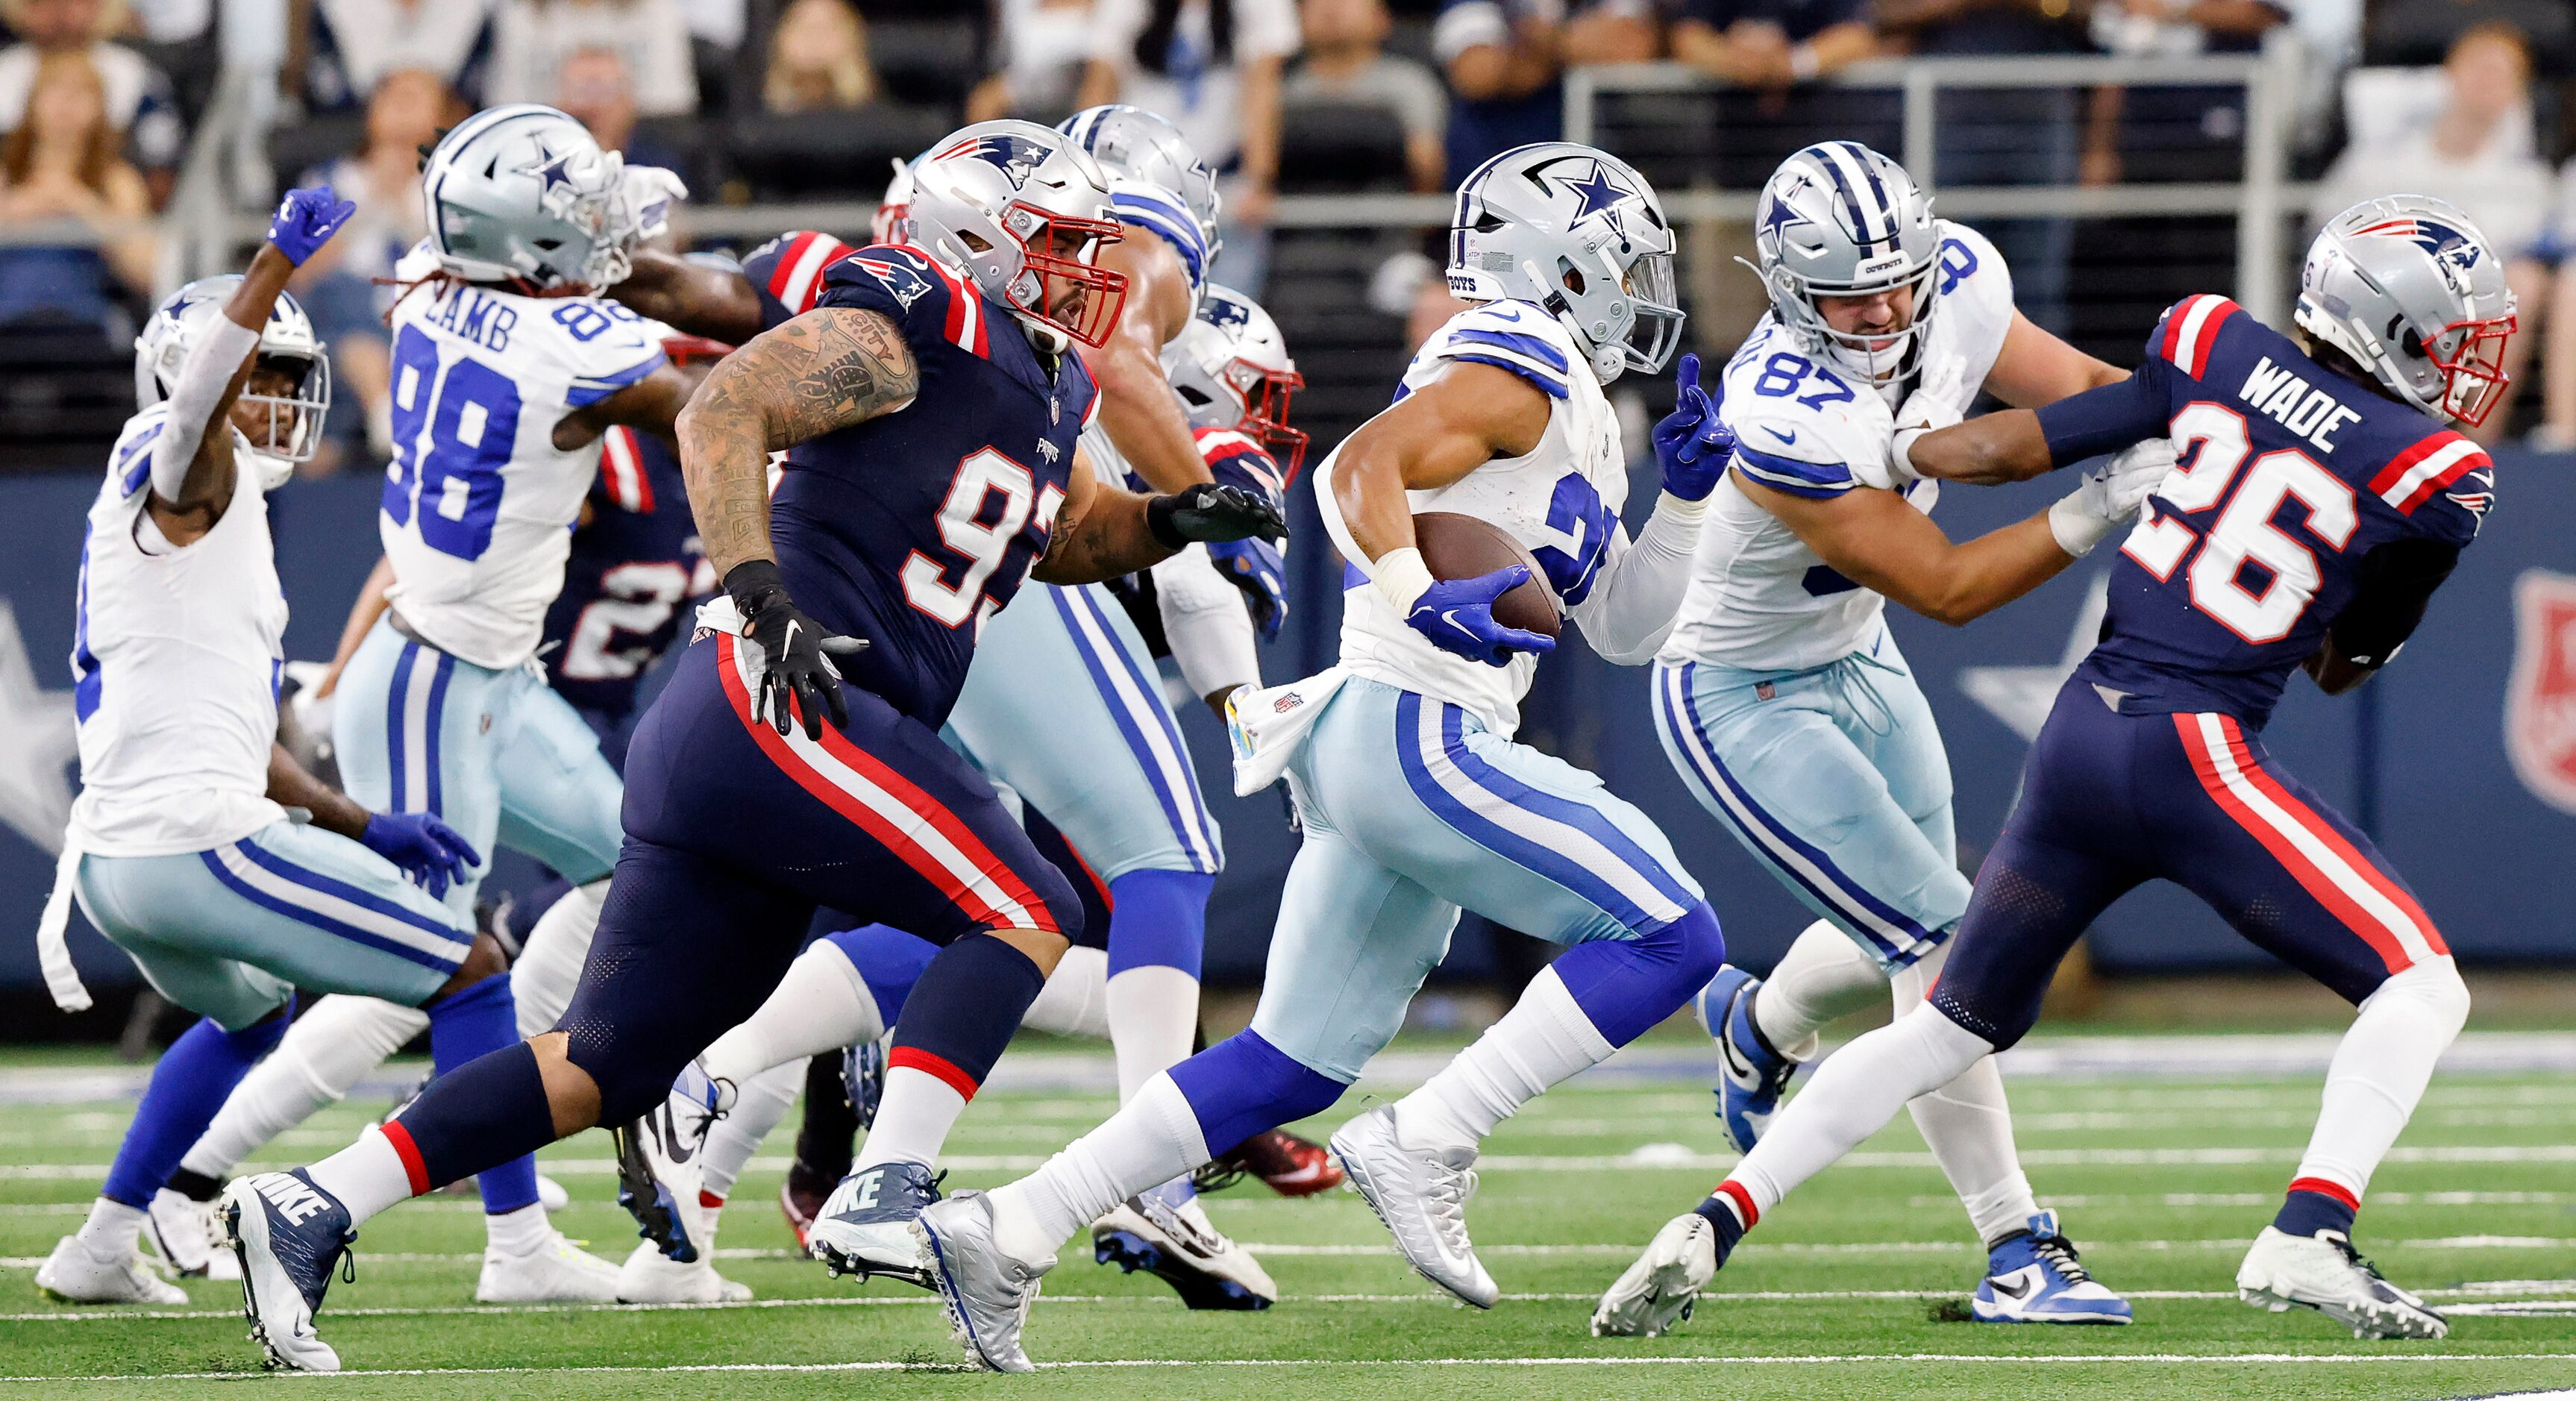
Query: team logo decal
x=1600 y=192
x=901 y=282
x=2454 y=253
x=1224 y=311
x=2540 y=702
x=1017 y=157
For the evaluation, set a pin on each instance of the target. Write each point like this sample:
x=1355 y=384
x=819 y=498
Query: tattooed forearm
x=823 y=371
x=1108 y=539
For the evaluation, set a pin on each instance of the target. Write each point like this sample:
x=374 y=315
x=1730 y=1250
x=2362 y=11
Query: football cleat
x=657 y=1172
x=1292 y=1166
x=1662 y=1287
x=800 y=1197
x=866 y=1226
x=863 y=1077
x=182 y=1232
x=288 y=1235
x=651 y=1277
x=2032 y=1276
x=1422 y=1198
x=1751 y=1075
x=1168 y=1235
x=986 y=1292
x=75 y=1276
x=556 y=1272
x=2323 y=1272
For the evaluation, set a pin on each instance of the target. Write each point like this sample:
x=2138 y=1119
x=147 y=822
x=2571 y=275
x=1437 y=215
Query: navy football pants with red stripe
x=2111 y=801
x=735 y=834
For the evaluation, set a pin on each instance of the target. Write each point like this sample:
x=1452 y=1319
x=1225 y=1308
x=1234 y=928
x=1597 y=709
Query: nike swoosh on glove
x=1457 y=615
x=1691 y=446
x=797 y=680
x=428 y=850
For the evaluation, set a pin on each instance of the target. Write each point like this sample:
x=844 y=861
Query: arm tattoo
x=823 y=371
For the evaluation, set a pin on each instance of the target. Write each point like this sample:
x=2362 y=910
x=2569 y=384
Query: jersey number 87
x=2244 y=533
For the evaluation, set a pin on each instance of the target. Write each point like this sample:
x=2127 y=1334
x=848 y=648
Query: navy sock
x=1243 y=1085
x=1731 y=1212
x=889 y=961
x=188 y=1085
x=963 y=1010
x=1628 y=986
x=1158 y=918
x=465 y=1029
x=2314 y=1205
x=483 y=1114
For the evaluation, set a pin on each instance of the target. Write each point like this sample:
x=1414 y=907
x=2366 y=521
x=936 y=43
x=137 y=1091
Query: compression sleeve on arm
x=1204 y=620
x=1632 y=605
x=203 y=377
x=2397 y=581
x=2110 y=418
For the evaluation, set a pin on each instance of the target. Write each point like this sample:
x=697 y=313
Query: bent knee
x=2435 y=985
x=1699 y=946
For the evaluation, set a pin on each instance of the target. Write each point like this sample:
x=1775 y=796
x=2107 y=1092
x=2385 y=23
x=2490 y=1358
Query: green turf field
x=1845 y=1291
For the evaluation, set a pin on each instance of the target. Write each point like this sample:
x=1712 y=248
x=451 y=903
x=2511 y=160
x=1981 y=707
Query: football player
x=1415 y=800
x=2321 y=498
x=929 y=407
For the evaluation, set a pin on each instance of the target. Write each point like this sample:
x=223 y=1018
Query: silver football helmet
x=524 y=193
x=1133 y=144
x=992 y=200
x=2414 y=293
x=1578 y=233
x=1231 y=369
x=1840 y=220
x=286 y=343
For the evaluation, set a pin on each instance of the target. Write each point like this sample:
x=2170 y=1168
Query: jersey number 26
x=2244 y=533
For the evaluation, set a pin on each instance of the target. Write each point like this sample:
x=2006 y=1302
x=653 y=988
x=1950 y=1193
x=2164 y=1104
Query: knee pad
x=1699 y=947
x=884 y=959
x=2433 y=985
x=1243 y=1085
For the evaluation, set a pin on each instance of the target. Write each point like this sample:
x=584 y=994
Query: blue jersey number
x=1958 y=263
x=1582 y=522
x=1783 y=374
x=452 y=481
x=586 y=320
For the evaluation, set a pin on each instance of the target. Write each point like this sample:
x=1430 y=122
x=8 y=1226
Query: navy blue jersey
x=911 y=528
x=787 y=273
x=2290 y=476
x=634 y=566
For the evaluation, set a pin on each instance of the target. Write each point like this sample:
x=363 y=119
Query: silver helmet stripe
x=1876 y=223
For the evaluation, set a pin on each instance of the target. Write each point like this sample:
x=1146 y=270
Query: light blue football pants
x=1836 y=780
x=1412 y=811
x=1063 y=703
x=497 y=754
x=231 y=932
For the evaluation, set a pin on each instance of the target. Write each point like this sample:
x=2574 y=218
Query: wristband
x=1158 y=523
x=1401 y=577
x=752 y=584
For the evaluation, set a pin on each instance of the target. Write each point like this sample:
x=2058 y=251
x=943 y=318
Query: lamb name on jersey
x=176 y=656
x=2288 y=476
x=1561 y=500
x=478 y=499
x=1759 y=599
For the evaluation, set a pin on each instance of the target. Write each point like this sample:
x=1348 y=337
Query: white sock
x=327 y=1050
x=1968 y=1125
x=913 y=1119
x=759 y=1103
x=520 y=1232
x=1543 y=1039
x=1853 y=1095
x=821 y=1005
x=367 y=1176
x=549 y=967
x=111 y=1230
x=1152 y=1140
x=2380 y=1070
x=1153 y=1017
x=1075 y=1000
x=1823 y=976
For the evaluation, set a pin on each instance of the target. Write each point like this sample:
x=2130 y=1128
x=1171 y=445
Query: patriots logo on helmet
x=2454 y=253
x=901 y=282
x=1224 y=311
x=1598 y=190
x=1017 y=157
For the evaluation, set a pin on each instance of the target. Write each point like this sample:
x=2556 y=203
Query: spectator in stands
x=339 y=283
x=61 y=168
x=818 y=60
x=2478 y=155
x=2152 y=28
x=1771 y=44
x=2420 y=33
x=596 y=90
x=1212 y=67
x=340 y=51
x=1502 y=58
x=532 y=38
x=138 y=95
x=1346 y=64
x=1040 y=49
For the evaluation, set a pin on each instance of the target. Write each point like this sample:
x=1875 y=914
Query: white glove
x=649 y=193
x=1931 y=407
x=2109 y=496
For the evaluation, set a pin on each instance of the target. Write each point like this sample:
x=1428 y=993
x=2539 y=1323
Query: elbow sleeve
x=208 y=371
x=2107 y=419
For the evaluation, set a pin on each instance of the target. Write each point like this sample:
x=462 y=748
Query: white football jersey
x=479 y=503
x=1561 y=500
x=1759 y=599
x=176 y=656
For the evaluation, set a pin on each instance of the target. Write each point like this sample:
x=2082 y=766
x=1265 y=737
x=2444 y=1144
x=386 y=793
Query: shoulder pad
x=130 y=462
x=1150 y=206
x=1513 y=336
x=787 y=272
x=2442 y=467
x=1794 y=453
x=1235 y=460
x=602 y=346
x=929 y=300
x=2188 y=330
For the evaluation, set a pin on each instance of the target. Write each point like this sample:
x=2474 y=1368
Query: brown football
x=1457 y=546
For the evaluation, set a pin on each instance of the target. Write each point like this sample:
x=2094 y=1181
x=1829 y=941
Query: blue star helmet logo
x=1017 y=157
x=1597 y=192
x=1779 y=215
x=553 y=169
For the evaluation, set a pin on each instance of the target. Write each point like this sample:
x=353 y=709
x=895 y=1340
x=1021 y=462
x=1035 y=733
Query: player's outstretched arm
x=2019 y=444
x=702 y=301
x=651 y=405
x=1137 y=406
x=1104 y=531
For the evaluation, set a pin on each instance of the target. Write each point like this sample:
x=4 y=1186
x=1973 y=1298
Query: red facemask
x=2473 y=378
x=1104 y=291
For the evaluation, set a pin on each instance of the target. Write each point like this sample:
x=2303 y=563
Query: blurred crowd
x=767 y=100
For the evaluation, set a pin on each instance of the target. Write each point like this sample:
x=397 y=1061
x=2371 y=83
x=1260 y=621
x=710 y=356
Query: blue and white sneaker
x=2032 y=1276
x=289 y=1236
x=865 y=1227
x=1751 y=1075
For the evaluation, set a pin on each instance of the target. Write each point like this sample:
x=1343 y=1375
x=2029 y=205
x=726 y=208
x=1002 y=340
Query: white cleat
x=289 y=1236
x=1179 y=1245
x=651 y=1277
x=987 y=1293
x=1659 y=1290
x=556 y=1272
x=75 y=1276
x=182 y=1232
x=1422 y=1198
x=2324 y=1273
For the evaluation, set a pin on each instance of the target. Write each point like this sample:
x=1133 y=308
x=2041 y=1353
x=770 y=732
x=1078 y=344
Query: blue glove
x=305 y=220
x=1458 y=616
x=1254 y=566
x=1691 y=446
x=428 y=850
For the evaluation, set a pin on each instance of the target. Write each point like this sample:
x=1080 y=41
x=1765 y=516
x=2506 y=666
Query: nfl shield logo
x=2540 y=706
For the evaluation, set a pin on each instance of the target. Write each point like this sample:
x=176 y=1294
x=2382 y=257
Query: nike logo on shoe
x=2010 y=1289
x=291 y=1198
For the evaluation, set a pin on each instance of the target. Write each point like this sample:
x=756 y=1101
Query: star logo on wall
x=38 y=743
x=2021 y=696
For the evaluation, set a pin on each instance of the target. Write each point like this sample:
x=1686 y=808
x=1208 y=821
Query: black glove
x=1208 y=512
x=797 y=678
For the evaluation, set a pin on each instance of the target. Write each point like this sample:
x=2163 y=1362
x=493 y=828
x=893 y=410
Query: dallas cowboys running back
x=1502 y=417
x=2319 y=504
